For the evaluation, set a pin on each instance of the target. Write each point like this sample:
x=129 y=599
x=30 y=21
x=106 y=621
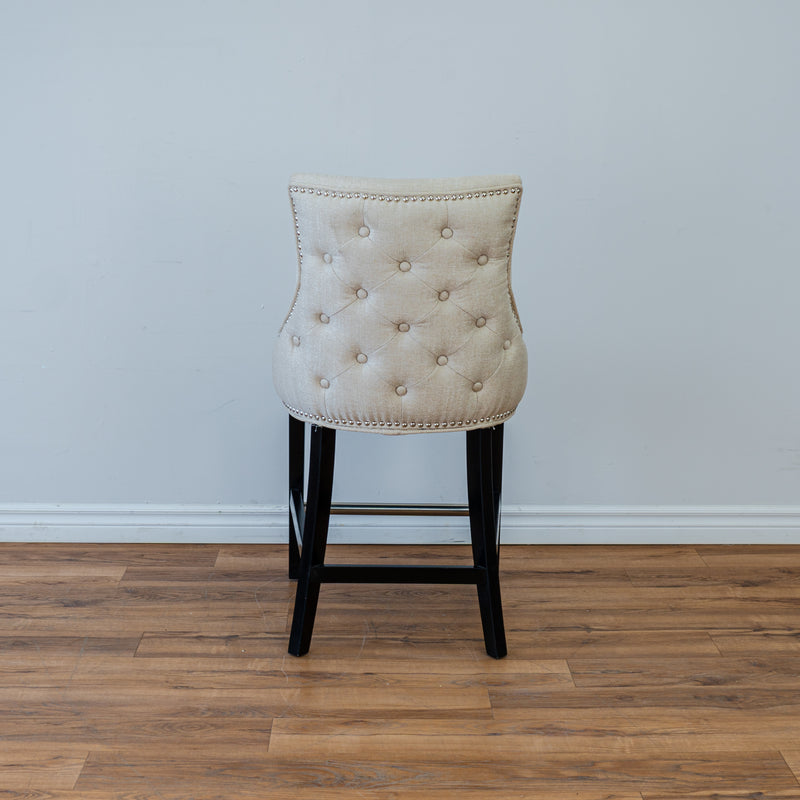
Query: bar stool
x=403 y=322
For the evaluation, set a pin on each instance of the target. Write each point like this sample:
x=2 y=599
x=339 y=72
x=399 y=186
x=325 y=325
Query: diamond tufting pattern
x=403 y=320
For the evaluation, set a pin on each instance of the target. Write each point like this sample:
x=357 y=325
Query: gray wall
x=147 y=252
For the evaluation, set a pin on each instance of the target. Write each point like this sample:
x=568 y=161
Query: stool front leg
x=315 y=537
x=484 y=484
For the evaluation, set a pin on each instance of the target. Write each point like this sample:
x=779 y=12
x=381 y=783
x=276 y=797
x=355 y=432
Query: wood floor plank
x=775 y=728
x=107 y=672
x=373 y=648
x=466 y=749
x=756 y=642
x=750 y=556
x=356 y=655
x=246 y=580
x=599 y=731
x=730 y=577
x=522 y=702
x=730 y=794
x=103 y=729
x=408 y=701
x=550 y=772
x=100 y=620
x=60 y=570
x=34 y=767
x=251 y=790
x=767 y=671
x=569 y=644
x=109 y=553
x=563 y=557
x=678 y=615
x=272 y=562
x=582 y=556
x=66 y=646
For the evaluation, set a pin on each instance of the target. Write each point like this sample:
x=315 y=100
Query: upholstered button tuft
x=363 y=231
x=361 y=358
x=483 y=260
x=404 y=266
x=441 y=361
x=361 y=293
x=324 y=383
x=447 y=233
x=401 y=390
x=295 y=340
x=506 y=344
x=477 y=386
x=480 y=322
x=444 y=295
x=324 y=319
x=404 y=327
x=327 y=258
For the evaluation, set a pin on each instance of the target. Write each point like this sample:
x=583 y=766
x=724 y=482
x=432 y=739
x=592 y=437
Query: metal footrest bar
x=402 y=509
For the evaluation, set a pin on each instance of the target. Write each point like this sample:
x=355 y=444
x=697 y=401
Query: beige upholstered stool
x=403 y=321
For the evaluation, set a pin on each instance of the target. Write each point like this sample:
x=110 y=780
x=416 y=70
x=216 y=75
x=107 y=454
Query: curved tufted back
x=403 y=320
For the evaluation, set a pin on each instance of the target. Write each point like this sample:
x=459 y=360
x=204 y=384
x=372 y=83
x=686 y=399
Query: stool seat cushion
x=403 y=320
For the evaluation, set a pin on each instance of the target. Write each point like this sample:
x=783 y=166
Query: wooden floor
x=635 y=673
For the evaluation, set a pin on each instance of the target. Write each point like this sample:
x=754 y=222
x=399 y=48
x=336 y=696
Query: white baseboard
x=521 y=524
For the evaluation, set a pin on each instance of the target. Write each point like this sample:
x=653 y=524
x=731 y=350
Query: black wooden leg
x=497 y=476
x=315 y=536
x=484 y=483
x=297 y=436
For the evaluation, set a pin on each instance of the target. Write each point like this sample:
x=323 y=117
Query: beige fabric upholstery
x=403 y=320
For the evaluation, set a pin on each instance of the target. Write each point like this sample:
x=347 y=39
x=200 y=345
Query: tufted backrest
x=403 y=320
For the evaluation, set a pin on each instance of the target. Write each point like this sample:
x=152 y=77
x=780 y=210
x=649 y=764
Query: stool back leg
x=297 y=455
x=315 y=537
x=484 y=484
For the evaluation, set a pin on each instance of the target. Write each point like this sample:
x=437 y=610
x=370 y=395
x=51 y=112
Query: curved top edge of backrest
x=404 y=186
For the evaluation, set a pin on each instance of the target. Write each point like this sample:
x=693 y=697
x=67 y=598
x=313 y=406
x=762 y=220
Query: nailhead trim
x=405 y=198
x=299 y=262
x=508 y=261
x=419 y=425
